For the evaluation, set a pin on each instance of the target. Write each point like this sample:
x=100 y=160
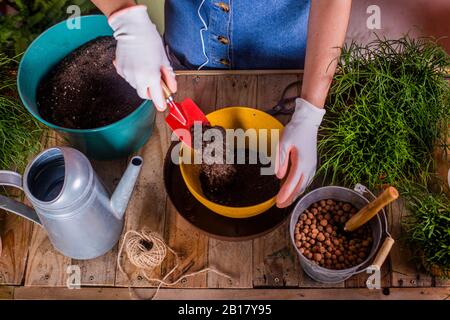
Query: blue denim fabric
x=240 y=34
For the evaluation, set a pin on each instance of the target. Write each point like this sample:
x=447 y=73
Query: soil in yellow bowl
x=234 y=118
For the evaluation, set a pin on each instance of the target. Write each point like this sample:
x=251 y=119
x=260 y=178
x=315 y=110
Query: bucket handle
x=13 y=179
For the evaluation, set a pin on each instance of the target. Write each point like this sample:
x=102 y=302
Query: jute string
x=146 y=251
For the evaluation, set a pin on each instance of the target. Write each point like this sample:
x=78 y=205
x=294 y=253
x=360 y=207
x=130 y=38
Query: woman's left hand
x=299 y=145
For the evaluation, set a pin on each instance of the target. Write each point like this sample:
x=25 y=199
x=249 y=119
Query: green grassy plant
x=20 y=133
x=428 y=227
x=31 y=18
x=388 y=106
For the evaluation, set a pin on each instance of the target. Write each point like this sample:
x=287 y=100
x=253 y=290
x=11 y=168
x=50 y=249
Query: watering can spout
x=122 y=194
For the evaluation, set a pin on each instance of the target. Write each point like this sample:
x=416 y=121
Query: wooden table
x=263 y=268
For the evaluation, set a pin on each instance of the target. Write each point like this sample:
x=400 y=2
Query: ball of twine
x=145 y=250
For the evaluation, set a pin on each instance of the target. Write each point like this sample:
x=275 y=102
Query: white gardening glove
x=299 y=145
x=140 y=55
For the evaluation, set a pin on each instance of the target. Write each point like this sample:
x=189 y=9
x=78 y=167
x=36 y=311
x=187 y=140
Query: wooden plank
x=404 y=271
x=359 y=280
x=148 y=203
x=275 y=261
x=202 y=90
x=236 y=91
x=270 y=89
x=6 y=292
x=306 y=281
x=234 y=294
x=191 y=247
x=439 y=282
x=102 y=270
x=220 y=72
x=233 y=258
x=190 y=244
x=46 y=266
x=16 y=235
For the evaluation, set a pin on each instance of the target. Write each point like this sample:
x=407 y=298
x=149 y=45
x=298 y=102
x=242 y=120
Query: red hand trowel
x=182 y=116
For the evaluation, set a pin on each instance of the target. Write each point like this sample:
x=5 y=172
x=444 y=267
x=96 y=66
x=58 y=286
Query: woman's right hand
x=140 y=56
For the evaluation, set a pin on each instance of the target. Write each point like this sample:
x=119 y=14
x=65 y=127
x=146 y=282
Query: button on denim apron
x=237 y=34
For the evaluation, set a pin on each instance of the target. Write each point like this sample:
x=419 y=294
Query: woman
x=239 y=34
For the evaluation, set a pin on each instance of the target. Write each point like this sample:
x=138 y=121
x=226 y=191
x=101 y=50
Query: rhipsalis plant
x=389 y=105
x=20 y=133
x=428 y=227
x=30 y=18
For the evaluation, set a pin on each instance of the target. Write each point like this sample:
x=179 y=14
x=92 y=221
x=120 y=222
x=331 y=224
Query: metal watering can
x=70 y=202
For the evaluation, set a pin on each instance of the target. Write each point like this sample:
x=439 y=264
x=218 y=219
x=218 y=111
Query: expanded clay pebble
x=320 y=237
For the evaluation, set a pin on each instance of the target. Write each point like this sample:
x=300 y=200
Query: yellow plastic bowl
x=230 y=118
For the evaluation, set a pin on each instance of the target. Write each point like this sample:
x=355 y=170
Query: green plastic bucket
x=116 y=140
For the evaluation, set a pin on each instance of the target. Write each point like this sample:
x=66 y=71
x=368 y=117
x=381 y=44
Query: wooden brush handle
x=371 y=209
x=166 y=90
x=383 y=252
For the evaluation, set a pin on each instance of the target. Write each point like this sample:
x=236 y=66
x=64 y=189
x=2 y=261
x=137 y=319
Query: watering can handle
x=13 y=179
x=383 y=252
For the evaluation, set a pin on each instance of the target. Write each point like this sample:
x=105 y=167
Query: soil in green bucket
x=84 y=90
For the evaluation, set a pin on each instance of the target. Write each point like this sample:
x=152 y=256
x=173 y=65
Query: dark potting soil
x=235 y=185
x=84 y=91
x=216 y=176
x=238 y=185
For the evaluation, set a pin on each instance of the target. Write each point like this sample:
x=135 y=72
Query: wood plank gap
x=233 y=258
x=275 y=261
x=148 y=203
x=188 y=242
x=404 y=271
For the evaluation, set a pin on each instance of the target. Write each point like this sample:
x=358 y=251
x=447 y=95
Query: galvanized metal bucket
x=356 y=197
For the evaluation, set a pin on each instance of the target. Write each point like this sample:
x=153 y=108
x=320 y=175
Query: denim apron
x=236 y=34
